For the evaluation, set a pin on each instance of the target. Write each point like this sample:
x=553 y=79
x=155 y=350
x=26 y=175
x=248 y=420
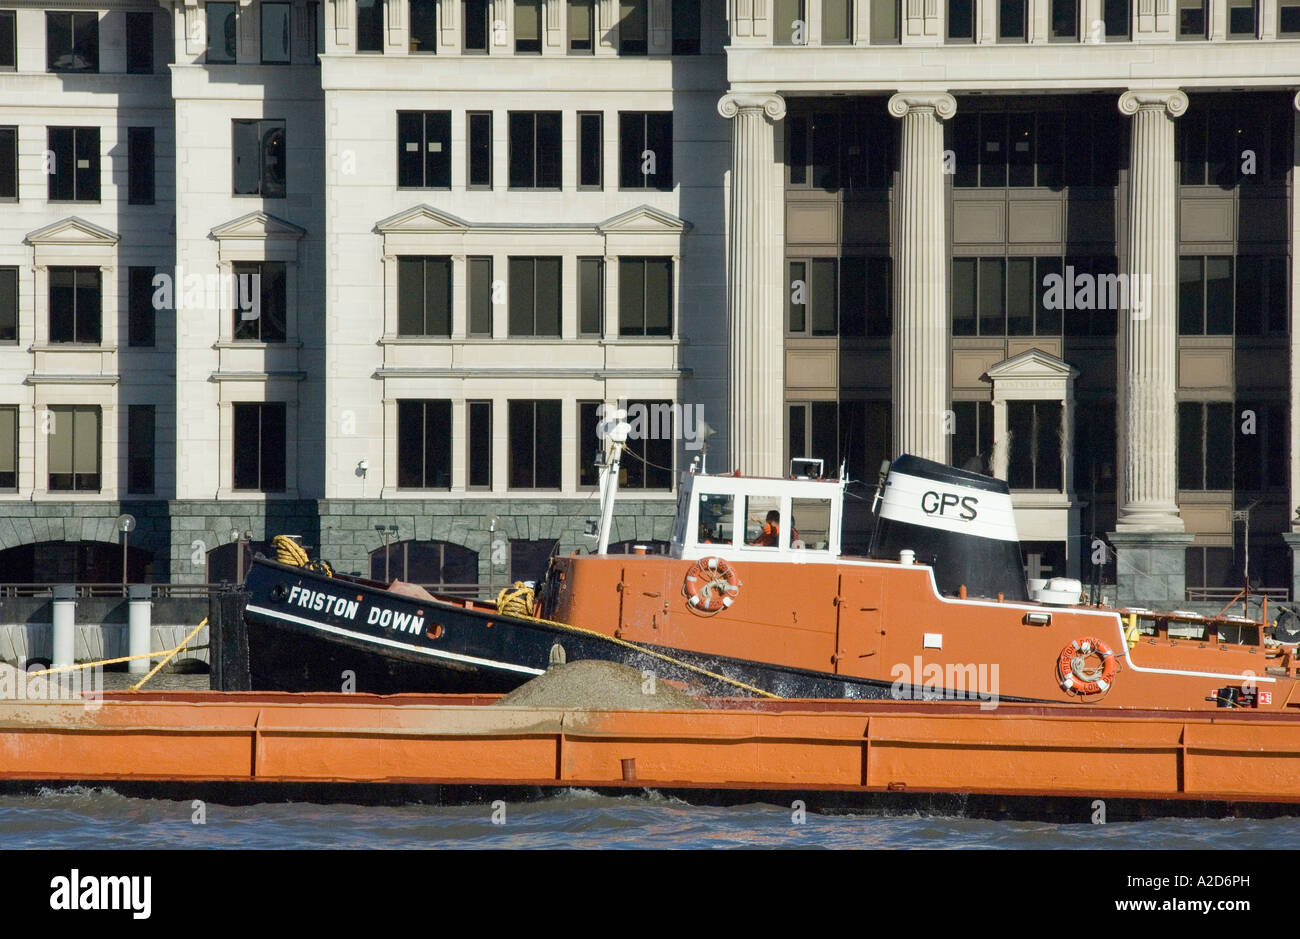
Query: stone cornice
x=941 y=103
x=729 y=105
x=1171 y=100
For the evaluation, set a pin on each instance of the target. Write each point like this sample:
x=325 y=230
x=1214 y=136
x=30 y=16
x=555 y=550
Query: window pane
x=549 y=150
x=246 y=153
x=480 y=296
x=8 y=162
x=424 y=26
x=220 y=32
x=961 y=19
x=437 y=149
x=1049 y=318
x=528 y=26
x=823 y=294
x=275 y=32
x=1191 y=19
x=63 y=304
x=853 y=296
x=370 y=25
x=437 y=445
x=548 y=296
x=789 y=24
x=273 y=447
x=89 y=305
x=837 y=18
x=631 y=297
x=1219 y=437
x=1065 y=19
x=140 y=312
x=8 y=308
x=1020 y=427
x=8 y=448
x=798 y=431
x=686 y=26
x=632 y=27
x=8 y=39
x=1251 y=284
x=964 y=140
x=993 y=150
x=1218 y=296
x=1047 y=455
x=591 y=296
x=480 y=150
x=1011 y=19
x=85 y=448
x=581 y=25
x=589 y=150
x=884 y=20
x=1020 y=297
x=437 y=296
x=992 y=297
x=797 y=145
x=479 y=444
x=880 y=296
x=139 y=42
x=963 y=297
x=86 y=170
x=1191 y=313
x=140 y=448
x=659 y=141
x=659 y=297
x=476 y=25
x=825 y=433
x=1020 y=150
x=1191 y=146
x=798 y=296
x=410 y=141
x=521 y=296
x=1241 y=18
x=548 y=445
x=140 y=170
x=1190 y=446
x=1115 y=15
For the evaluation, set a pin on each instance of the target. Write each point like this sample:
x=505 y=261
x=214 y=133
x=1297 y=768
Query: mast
x=614 y=432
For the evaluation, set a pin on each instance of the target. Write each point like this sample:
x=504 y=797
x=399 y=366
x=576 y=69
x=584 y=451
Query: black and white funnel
x=959 y=522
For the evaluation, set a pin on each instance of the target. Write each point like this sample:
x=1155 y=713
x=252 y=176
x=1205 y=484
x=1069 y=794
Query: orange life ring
x=711 y=586
x=1079 y=680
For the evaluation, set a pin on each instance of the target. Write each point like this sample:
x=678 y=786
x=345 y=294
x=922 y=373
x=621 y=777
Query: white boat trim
x=393 y=643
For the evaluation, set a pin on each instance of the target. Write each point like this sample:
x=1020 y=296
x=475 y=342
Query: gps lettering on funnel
x=936 y=503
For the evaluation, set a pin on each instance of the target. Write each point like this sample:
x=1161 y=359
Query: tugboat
x=755 y=597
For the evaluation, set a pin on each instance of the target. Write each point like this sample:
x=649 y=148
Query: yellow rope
x=519 y=601
x=288 y=551
x=194 y=632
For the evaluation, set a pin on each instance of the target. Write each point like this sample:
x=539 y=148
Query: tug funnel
x=959 y=522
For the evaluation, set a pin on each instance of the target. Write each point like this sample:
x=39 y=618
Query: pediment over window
x=258 y=236
x=422 y=218
x=73 y=231
x=1032 y=364
x=644 y=218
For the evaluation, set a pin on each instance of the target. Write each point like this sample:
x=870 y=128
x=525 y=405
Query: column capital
x=941 y=103
x=731 y=104
x=1170 y=100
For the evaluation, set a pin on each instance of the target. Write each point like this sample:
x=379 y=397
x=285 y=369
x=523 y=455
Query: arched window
x=433 y=564
x=74 y=562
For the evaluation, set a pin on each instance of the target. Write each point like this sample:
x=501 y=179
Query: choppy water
x=76 y=817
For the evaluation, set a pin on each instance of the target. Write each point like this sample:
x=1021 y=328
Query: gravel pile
x=595 y=685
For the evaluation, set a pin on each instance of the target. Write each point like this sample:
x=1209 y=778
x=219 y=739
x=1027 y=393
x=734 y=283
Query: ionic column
x=754 y=285
x=1148 y=334
x=920 y=340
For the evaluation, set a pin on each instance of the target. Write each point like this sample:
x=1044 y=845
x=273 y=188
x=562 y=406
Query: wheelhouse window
x=259 y=152
x=74 y=448
x=645 y=296
x=370 y=25
x=220 y=33
x=276 y=42
x=424 y=444
x=645 y=146
x=76 y=164
x=260 y=297
x=260 y=446
x=424 y=149
x=535 y=435
x=76 y=305
x=717 y=519
x=535 y=150
x=424 y=296
x=72 y=42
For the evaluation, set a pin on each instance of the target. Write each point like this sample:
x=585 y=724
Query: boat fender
x=711 y=586
x=1076 y=677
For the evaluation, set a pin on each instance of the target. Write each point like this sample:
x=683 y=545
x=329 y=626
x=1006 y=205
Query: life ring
x=1075 y=678
x=711 y=586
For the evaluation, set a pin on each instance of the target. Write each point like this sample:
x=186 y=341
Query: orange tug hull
x=862 y=746
x=885 y=621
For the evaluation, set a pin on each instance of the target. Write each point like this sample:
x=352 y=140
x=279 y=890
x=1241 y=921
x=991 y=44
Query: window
x=423 y=444
x=1065 y=19
x=633 y=27
x=260 y=446
x=424 y=149
x=259 y=158
x=480 y=296
x=370 y=25
x=260 y=301
x=221 y=33
x=1035 y=296
x=1024 y=149
x=1212 y=143
x=535 y=150
x=1012 y=20
x=1205 y=296
x=582 y=26
x=763 y=521
x=534 y=296
x=1262 y=300
x=440 y=565
x=8 y=304
x=1262 y=429
x=856 y=432
x=8 y=40
x=534 y=444
x=74 y=448
x=72 y=42
x=961 y=21
x=591 y=144
x=830 y=151
x=1095 y=448
x=789 y=26
x=1212 y=567
x=589 y=443
x=1115 y=16
x=424 y=27
x=645 y=147
x=1288 y=19
x=479 y=149
x=645 y=296
x=277 y=46
x=478 y=24
x=423 y=296
x=76 y=305
x=478 y=444
x=140 y=166
x=648 y=456
x=972 y=439
x=813 y=297
x=884 y=21
x=140 y=449
x=866 y=296
x=139 y=42
x=315 y=28
x=810 y=523
x=1242 y=19
x=837 y=21
x=8 y=163
x=1034 y=455
x=76 y=164
x=1193 y=19
x=591 y=296
x=9 y=449
x=1205 y=445
x=717 y=519
x=528 y=26
x=686 y=26
x=140 y=318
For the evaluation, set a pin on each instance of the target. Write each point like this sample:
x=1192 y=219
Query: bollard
x=139 y=628
x=65 y=626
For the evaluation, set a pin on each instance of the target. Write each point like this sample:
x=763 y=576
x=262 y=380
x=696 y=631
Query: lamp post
x=125 y=524
x=384 y=532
